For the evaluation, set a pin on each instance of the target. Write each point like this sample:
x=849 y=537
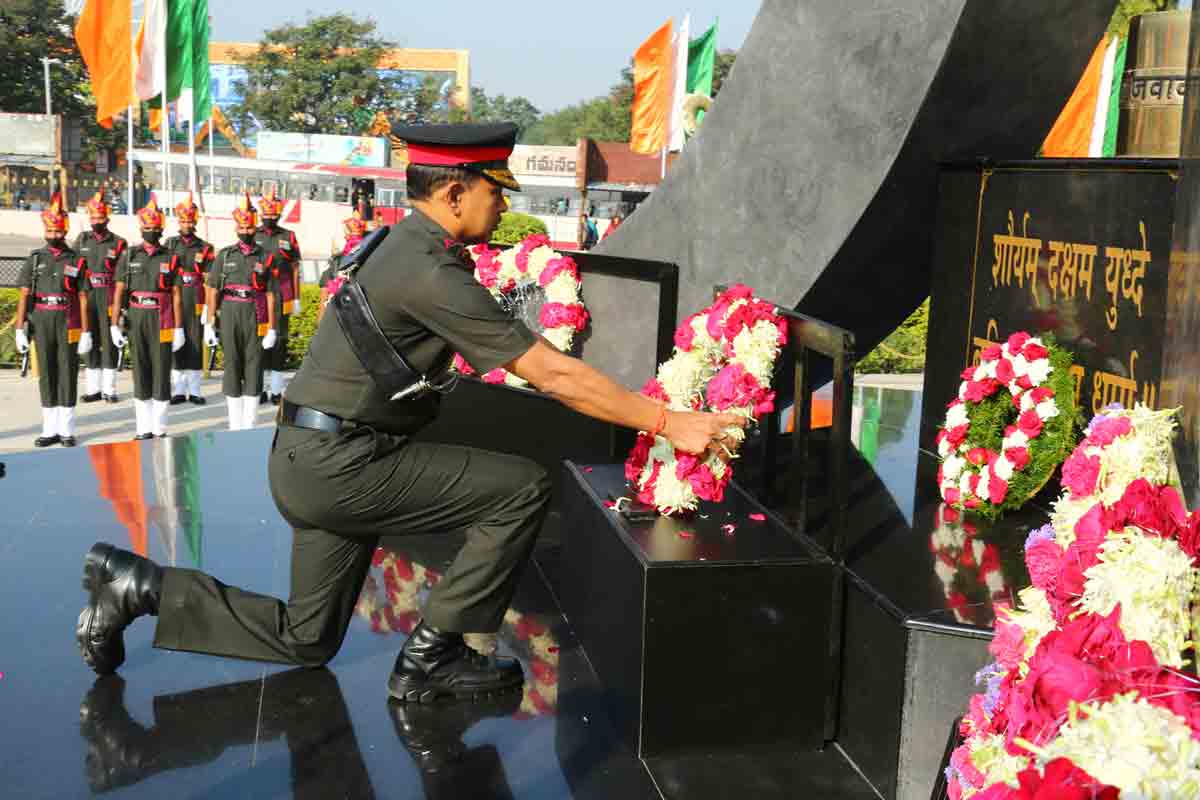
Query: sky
x=553 y=53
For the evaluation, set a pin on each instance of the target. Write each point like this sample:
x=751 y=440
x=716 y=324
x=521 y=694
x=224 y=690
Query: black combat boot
x=433 y=734
x=435 y=664
x=122 y=586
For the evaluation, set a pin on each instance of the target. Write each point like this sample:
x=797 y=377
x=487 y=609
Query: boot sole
x=410 y=692
x=93 y=579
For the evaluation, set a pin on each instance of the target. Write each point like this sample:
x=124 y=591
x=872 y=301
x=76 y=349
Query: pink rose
x=1025 y=382
x=997 y=490
x=646 y=493
x=1080 y=473
x=1044 y=560
x=1034 y=352
x=971 y=503
x=1019 y=456
x=1017 y=341
x=1041 y=394
x=554 y=315
x=978 y=456
x=975 y=392
x=1004 y=371
x=1008 y=645
x=968 y=374
x=685 y=335
x=973 y=484
x=1108 y=429
x=1030 y=424
x=495 y=376
x=953 y=496
x=990 y=353
x=462 y=366
x=556 y=267
x=487 y=269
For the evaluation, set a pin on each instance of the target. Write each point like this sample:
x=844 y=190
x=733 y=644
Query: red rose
x=997 y=490
x=1004 y=371
x=973 y=484
x=971 y=503
x=1025 y=382
x=956 y=436
x=1017 y=341
x=978 y=456
x=953 y=496
x=1030 y=423
x=990 y=353
x=1041 y=394
x=975 y=391
x=1062 y=781
x=638 y=457
x=655 y=391
x=1019 y=456
x=1189 y=537
x=968 y=374
x=1033 y=352
x=950 y=516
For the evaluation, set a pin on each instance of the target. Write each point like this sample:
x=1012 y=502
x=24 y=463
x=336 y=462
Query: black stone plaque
x=1076 y=249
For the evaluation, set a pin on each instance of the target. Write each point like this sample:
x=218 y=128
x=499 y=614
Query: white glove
x=22 y=341
x=204 y=316
x=296 y=306
x=177 y=340
x=118 y=338
x=210 y=336
x=269 y=340
x=85 y=343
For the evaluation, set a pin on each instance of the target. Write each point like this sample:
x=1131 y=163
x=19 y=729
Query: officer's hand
x=22 y=341
x=177 y=340
x=269 y=340
x=296 y=306
x=695 y=432
x=210 y=336
x=85 y=343
x=118 y=338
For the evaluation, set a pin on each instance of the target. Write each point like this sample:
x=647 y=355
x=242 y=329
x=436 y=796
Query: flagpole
x=129 y=159
x=168 y=185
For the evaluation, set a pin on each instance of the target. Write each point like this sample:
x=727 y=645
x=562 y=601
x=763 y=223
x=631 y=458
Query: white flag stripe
x=675 y=135
x=151 y=78
x=1103 y=95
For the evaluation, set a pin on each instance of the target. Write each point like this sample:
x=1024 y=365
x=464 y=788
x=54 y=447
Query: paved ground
x=21 y=420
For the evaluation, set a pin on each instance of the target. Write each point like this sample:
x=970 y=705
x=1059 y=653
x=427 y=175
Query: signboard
x=29 y=137
x=1081 y=254
x=317 y=148
x=546 y=161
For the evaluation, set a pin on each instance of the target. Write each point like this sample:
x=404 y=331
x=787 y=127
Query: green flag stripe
x=1114 y=102
x=702 y=56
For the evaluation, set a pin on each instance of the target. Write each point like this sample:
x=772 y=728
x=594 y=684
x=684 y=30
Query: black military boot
x=433 y=734
x=46 y=441
x=122 y=586
x=435 y=664
x=94 y=397
x=119 y=750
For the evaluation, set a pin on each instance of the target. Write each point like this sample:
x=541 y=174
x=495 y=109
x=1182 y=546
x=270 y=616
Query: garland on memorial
x=1009 y=427
x=1094 y=691
x=723 y=361
x=529 y=267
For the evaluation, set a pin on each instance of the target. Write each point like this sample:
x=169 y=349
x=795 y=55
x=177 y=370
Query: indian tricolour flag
x=172 y=48
x=1087 y=126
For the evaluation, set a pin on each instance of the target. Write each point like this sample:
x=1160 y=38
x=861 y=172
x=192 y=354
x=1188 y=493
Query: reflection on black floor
x=181 y=725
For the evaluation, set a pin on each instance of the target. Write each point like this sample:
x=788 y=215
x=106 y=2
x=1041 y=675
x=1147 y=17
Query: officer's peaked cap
x=483 y=148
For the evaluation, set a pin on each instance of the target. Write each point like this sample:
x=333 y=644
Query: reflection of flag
x=102 y=34
x=652 y=90
x=177 y=498
x=119 y=471
x=1087 y=126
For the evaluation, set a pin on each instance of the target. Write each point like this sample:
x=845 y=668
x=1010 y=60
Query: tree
x=1128 y=9
x=721 y=68
x=503 y=109
x=29 y=31
x=322 y=77
x=607 y=119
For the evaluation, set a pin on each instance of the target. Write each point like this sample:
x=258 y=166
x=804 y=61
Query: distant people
x=613 y=224
x=50 y=282
x=148 y=273
x=591 y=234
x=102 y=250
x=355 y=228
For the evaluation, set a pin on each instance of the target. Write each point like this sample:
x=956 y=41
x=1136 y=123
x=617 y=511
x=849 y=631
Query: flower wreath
x=531 y=264
x=723 y=361
x=989 y=465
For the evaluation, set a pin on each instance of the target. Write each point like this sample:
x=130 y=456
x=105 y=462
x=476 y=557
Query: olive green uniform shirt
x=423 y=292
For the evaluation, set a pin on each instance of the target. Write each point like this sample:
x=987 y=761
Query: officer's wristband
x=662 y=421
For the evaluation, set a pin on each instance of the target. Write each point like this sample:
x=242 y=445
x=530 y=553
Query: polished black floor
x=182 y=725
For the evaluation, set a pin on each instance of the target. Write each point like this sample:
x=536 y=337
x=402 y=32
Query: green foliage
x=29 y=31
x=903 y=351
x=303 y=325
x=1128 y=9
x=503 y=109
x=721 y=69
x=319 y=77
x=8 y=312
x=514 y=227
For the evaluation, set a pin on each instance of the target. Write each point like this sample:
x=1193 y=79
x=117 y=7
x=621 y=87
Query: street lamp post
x=46 y=62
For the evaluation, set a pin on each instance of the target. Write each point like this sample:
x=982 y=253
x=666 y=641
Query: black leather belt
x=305 y=417
x=145 y=302
x=240 y=294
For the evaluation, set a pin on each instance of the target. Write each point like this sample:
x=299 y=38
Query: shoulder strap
x=386 y=366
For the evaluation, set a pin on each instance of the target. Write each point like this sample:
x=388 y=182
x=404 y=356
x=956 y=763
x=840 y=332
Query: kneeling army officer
x=343 y=467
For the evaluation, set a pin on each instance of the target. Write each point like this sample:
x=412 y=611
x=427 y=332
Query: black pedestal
x=702 y=639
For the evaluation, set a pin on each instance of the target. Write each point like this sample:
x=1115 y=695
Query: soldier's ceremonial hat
x=481 y=148
x=151 y=217
x=54 y=218
x=270 y=205
x=97 y=208
x=187 y=211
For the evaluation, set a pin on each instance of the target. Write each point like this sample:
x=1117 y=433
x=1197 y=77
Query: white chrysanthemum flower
x=756 y=349
x=1020 y=366
x=1142 y=749
x=956 y=416
x=539 y=257
x=561 y=337
x=952 y=467
x=1016 y=439
x=1047 y=409
x=943 y=448
x=980 y=373
x=1152 y=579
x=672 y=494
x=1039 y=371
x=683 y=377
x=563 y=289
x=989 y=756
x=1003 y=469
x=1027 y=401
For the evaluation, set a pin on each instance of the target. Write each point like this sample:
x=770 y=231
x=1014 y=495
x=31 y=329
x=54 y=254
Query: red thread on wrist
x=661 y=424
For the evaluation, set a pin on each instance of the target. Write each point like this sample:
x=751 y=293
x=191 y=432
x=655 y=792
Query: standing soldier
x=195 y=258
x=355 y=228
x=239 y=293
x=52 y=275
x=282 y=252
x=155 y=304
x=101 y=249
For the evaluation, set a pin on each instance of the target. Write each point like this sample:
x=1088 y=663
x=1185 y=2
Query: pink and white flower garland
x=979 y=478
x=532 y=263
x=723 y=361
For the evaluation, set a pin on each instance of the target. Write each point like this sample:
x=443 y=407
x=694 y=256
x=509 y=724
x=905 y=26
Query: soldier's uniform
x=54 y=278
x=282 y=252
x=147 y=274
x=356 y=228
x=241 y=279
x=195 y=258
x=101 y=251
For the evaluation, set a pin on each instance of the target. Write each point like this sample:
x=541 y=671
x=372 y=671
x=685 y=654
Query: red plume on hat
x=54 y=218
x=187 y=211
x=244 y=215
x=270 y=205
x=151 y=217
x=97 y=208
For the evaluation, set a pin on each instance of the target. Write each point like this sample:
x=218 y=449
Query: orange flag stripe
x=103 y=35
x=1071 y=136
x=652 y=86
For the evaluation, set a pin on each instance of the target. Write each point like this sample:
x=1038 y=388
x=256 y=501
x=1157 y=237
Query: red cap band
x=453 y=155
